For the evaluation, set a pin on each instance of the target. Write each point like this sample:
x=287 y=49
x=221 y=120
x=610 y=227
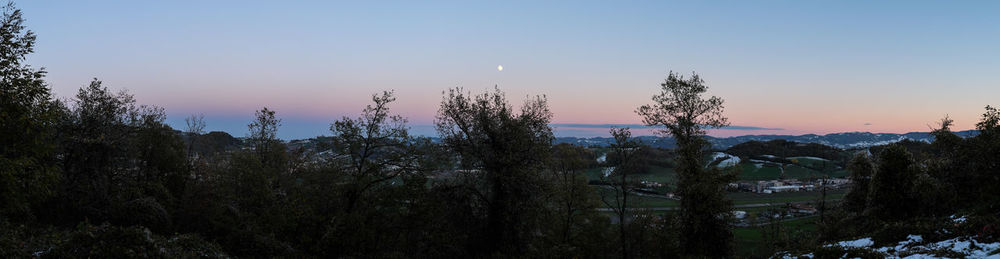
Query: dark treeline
x=100 y=175
x=103 y=176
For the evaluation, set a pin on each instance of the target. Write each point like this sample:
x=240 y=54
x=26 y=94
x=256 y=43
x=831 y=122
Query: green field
x=738 y=198
x=750 y=240
x=783 y=197
x=748 y=172
x=658 y=174
x=639 y=201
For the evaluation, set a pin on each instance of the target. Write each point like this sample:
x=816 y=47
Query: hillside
x=784 y=148
x=846 y=140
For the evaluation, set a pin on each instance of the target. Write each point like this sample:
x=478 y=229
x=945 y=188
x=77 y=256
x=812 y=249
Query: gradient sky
x=799 y=66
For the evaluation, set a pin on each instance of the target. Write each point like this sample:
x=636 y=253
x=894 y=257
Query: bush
x=928 y=228
x=143 y=212
x=107 y=241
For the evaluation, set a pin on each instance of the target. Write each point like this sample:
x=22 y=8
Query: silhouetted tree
x=981 y=157
x=263 y=138
x=684 y=114
x=890 y=196
x=27 y=117
x=372 y=149
x=380 y=167
x=195 y=127
x=862 y=169
x=509 y=149
x=577 y=230
x=623 y=167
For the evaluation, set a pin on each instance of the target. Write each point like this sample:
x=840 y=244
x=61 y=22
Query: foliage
x=890 y=197
x=684 y=114
x=107 y=241
x=576 y=228
x=509 y=148
x=862 y=169
x=622 y=182
x=27 y=115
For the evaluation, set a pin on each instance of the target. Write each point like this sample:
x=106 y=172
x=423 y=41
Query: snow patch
x=608 y=171
x=958 y=220
x=730 y=160
x=864 y=242
x=915 y=247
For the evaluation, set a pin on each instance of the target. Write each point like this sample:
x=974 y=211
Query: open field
x=783 y=197
x=740 y=198
x=750 y=240
x=801 y=168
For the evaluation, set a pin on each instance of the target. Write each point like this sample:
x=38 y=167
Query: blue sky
x=798 y=66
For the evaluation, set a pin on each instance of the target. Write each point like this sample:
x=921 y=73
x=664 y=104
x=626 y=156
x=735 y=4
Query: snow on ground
x=770 y=156
x=968 y=246
x=764 y=162
x=761 y=163
x=957 y=219
x=608 y=171
x=864 y=242
x=603 y=158
x=731 y=160
x=915 y=247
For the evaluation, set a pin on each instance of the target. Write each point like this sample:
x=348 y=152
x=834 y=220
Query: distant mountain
x=846 y=140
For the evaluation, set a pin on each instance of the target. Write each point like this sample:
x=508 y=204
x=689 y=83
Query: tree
x=95 y=137
x=577 y=228
x=624 y=148
x=263 y=138
x=195 y=127
x=509 y=149
x=378 y=163
x=27 y=119
x=890 y=195
x=374 y=147
x=990 y=123
x=981 y=157
x=862 y=169
x=683 y=113
x=121 y=162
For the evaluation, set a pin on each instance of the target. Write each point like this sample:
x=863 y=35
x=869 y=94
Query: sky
x=782 y=67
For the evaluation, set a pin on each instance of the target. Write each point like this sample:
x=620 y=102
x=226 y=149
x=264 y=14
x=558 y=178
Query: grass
x=658 y=174
x=750 y=172
x=750 y=240
x=801 y=169
x=640 y=201
x=739 y=198
x=653 y=202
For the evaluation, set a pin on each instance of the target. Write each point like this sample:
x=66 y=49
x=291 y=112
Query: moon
x=499 y=68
